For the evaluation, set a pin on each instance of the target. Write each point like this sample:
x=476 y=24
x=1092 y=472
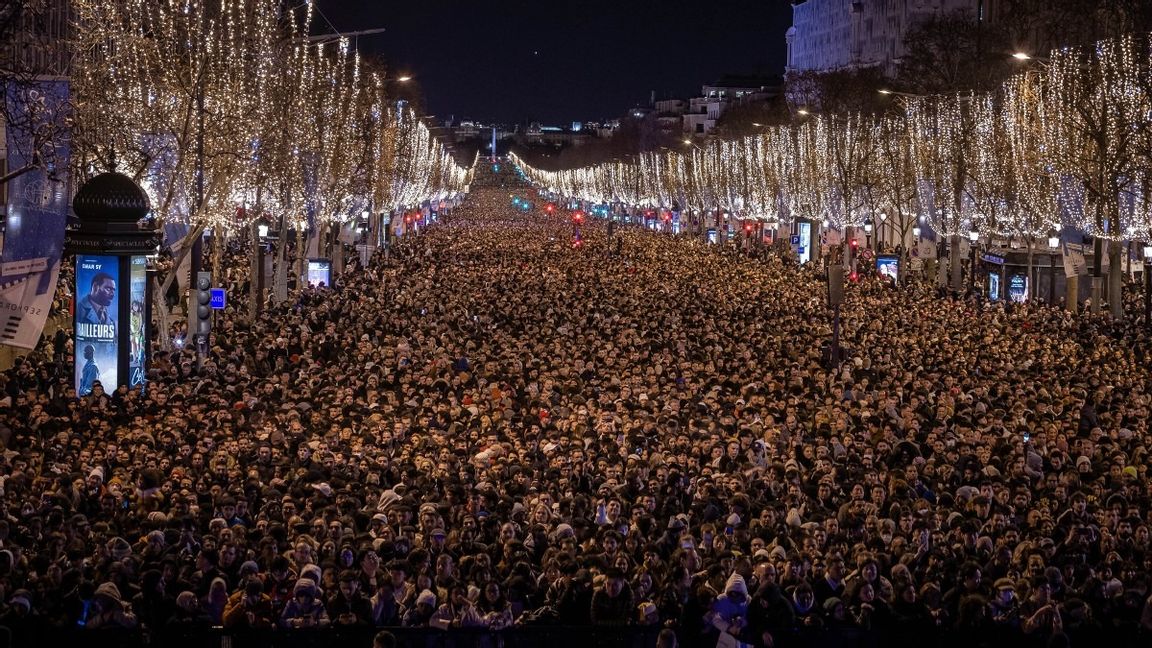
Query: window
x=699 y=127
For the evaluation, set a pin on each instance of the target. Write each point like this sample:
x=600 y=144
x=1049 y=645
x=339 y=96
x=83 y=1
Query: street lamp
x=263 y=234
x=974 y=237
x=868 y=234
x=1053 y=245
x=891 y=93
x=916 y=232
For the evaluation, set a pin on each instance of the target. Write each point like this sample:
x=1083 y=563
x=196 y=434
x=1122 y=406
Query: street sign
x=218 y=299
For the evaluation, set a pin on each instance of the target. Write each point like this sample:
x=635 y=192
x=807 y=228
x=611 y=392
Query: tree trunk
x=301 y=255
x=1115 y=281
x=954 y=263
x=1072 y=293
x=256 y=269
x=280 y=279
x=1031 y=272
x=1097 y=279
x=160 y=310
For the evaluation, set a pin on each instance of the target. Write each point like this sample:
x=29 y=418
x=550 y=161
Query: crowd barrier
x=543 y=637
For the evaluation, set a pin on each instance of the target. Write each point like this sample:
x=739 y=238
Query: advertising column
x=138 y=309
x=97 y=314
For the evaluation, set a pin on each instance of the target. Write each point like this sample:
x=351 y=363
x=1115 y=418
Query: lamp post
x=1053 y=245
x=868 y=234
x=974 y=238
x=261 y=244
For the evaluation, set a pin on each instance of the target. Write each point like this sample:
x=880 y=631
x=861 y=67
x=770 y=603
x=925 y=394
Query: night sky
x=558 y=61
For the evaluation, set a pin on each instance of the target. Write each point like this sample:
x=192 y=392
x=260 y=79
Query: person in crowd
x=249 y=608
x=306 y=609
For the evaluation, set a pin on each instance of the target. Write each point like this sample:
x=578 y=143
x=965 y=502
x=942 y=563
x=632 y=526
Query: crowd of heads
x=489 y=425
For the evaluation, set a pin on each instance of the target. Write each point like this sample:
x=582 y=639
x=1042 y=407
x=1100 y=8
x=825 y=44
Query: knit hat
x=313 y=573
x=109 y=590
x=21 y=597
x=304 y=586
x=119 y=548
x=736 y=584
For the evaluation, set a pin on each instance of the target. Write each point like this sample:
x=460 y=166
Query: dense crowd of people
x=492 y=426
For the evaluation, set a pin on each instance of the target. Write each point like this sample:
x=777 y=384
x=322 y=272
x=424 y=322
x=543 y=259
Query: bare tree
x=35 y=107
x=954 y=53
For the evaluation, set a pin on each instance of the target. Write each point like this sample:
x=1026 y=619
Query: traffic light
x=578 y=217
x=854 y=277
x=550 y=208
x=748 y=227
x=854 y=244
x=203 y=308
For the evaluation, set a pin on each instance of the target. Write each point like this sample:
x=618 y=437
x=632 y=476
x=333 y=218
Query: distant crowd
x=491 y=426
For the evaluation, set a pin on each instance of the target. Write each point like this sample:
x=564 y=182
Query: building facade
x=837 y=34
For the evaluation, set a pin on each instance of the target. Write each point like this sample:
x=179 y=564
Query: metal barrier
x=515 y=637
x=537 y=637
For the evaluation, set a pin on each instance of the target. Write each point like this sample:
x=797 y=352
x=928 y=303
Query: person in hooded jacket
x=306 y=609
x=729 y=612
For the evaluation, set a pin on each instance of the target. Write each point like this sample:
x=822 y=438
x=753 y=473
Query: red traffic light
x=748 y=227
x=550 y=208
x=854 y=243
x=578 y=217
x=853 y=276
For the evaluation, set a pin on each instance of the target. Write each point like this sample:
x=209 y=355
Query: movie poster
x=97 y=280
x=319 y=272
x=803 y=246
x=137 y=330
x=888 y=266
x=1018 y=288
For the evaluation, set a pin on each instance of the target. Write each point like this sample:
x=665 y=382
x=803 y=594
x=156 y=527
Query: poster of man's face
x=103 y=290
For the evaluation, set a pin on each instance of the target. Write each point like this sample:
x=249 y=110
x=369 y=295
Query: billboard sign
x=137 y=319
x=319 y=272
x=97 y=315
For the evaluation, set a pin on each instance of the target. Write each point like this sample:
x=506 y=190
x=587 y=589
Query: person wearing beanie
x=20 y=620
x=419 y=615
x=306 y=609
